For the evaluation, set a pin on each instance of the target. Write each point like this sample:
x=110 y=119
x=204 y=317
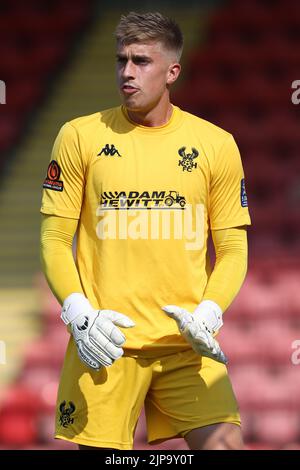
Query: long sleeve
x=230 y=268
x=57 y=259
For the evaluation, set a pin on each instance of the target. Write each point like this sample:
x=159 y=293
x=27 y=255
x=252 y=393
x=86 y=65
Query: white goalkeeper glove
x=198 y=328
x=99 y=342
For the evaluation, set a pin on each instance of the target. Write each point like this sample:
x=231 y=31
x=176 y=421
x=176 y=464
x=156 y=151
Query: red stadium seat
x=252 y=445
x=274 y=340
x=257 y=299
x=265 y=387
x=39 y=378
x=18 y=414
x=277 y=426
x=238 y=343
x=23 y=94
x=17 y=428
x=34 y=41
x=9 y=130
x=47 y=351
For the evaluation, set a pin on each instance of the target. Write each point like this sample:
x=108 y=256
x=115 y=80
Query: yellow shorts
x=181 y=392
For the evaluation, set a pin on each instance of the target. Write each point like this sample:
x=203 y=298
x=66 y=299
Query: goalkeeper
x=142 y=186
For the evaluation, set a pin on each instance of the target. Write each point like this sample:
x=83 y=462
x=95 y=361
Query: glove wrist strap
x=74 y=305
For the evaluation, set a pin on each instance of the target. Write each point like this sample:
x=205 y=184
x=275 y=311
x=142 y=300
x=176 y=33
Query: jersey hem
x=92 y=443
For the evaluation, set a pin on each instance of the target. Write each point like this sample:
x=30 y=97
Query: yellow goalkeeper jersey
x=146 y=198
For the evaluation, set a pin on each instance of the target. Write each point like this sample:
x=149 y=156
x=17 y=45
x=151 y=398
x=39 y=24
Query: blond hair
x=147 y=27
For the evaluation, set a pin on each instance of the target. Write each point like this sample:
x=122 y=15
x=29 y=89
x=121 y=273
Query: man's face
x=144 y=72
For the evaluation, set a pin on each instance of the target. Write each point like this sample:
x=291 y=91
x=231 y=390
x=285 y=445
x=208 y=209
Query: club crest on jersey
x=109 y=150
x=65 y=414
x=187 y=159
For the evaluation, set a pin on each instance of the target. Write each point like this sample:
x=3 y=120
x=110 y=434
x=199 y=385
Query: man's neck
x=154 y=118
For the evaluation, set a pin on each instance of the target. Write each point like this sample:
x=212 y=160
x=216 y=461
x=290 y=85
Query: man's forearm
x=230 y=268
x=57 y=258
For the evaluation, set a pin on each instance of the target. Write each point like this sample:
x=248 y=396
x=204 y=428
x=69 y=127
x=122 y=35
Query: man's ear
x=173 y=73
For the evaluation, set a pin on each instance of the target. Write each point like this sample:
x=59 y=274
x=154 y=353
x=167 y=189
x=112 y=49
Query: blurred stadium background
x=241 y=57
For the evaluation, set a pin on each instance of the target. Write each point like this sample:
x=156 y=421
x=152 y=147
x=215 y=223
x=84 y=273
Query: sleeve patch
x=244 y=200
x=52 y=180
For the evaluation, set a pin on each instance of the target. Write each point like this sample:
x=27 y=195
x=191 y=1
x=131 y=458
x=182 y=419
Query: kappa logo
x=65 y=414
x=187 y=159
x=109 y=150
